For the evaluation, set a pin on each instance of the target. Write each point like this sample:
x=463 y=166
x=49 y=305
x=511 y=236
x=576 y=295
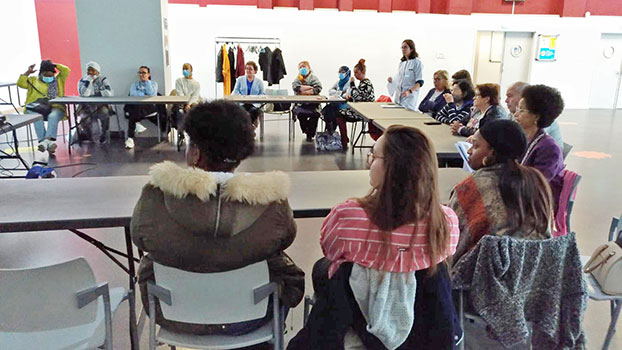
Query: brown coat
x=204 y=222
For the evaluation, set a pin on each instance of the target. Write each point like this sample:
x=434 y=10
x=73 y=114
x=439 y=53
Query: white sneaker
x=52 y=146
x=140 y=127
x=43 y=145
x=129 y=143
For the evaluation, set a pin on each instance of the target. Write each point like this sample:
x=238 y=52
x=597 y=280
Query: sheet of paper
x=391 y=106
x=463 y=148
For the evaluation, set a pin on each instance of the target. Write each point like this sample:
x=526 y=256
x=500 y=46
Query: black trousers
x=308 y=116
x=136 y=113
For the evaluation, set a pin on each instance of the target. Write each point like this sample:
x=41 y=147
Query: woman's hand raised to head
x=449 y=98
x=31 y=69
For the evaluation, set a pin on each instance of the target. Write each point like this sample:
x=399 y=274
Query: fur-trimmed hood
x=250 y=188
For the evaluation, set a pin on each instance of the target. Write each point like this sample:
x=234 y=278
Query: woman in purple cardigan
x=538 y=108
x=434 y=101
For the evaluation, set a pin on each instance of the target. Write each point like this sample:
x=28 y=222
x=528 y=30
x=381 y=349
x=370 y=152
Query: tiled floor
x=594 y=134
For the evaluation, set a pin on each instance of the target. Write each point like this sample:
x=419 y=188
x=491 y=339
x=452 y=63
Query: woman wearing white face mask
x=409 y=79
x=47 y=85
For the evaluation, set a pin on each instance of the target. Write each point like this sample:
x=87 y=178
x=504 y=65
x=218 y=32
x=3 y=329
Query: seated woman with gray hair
x=94 y=84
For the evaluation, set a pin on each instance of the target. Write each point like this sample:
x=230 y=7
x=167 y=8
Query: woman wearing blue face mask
x=47 y=85
x=185 y=86
x=340 y=89
x=404 y=87
x=306 y=83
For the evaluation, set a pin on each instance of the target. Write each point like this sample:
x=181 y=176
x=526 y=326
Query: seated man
x=93 y=84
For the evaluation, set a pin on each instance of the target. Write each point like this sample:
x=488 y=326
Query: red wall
x=576 y=8
x=605 y=7
x=58 y=37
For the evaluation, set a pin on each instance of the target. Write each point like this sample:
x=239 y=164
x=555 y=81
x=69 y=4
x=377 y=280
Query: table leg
x=132 y=278
x=67 y=108
x=261 y=126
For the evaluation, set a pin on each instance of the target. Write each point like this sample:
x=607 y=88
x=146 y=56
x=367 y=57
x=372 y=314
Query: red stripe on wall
x=58 y=37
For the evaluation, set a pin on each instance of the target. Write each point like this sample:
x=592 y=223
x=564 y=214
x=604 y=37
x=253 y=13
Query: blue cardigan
x=433 y=106
x=241 y=89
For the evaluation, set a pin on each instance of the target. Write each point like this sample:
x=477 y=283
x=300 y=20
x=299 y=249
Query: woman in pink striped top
x=400 y=226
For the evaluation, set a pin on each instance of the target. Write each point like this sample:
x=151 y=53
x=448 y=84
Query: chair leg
x=461 y=317
x=612 y=325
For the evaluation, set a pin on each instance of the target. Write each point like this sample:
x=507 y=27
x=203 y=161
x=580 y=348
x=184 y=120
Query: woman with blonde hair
x=434 y=101
x=306 y=83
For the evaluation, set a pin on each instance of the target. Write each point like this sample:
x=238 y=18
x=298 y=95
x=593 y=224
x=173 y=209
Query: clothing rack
x=232 y=40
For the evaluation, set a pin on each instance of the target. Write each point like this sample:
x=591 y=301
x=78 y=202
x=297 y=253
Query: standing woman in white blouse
x=404 y=87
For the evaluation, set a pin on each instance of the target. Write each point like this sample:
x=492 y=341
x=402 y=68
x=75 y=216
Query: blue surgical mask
x=47 y=80
x=342 y=76
x=304 y=71
x=186 y=73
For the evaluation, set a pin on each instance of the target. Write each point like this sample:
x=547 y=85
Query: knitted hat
x=47 y=66
x=505 y=137
x=94 y=65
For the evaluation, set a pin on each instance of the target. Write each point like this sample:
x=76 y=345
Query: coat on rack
x=277 y=68
x=219 y=77
x=239 y=65
x=231 y=55
x=265 y=58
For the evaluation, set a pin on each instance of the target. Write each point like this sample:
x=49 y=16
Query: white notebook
x=463 y=148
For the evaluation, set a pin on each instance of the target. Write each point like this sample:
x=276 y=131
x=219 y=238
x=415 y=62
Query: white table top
x=282 y=99
x=375 y=111
x=19 y=120
x=97 y=202
x=7 y=83
x=121 y=99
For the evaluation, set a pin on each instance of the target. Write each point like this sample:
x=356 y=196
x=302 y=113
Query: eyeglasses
x=371 y=157
x=519 y=111
x=143 y=72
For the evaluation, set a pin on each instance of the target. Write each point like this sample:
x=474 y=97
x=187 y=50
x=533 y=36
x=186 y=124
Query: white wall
x=329 y=39
x=19 y=46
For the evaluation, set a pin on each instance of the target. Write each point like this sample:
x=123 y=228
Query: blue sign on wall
x=547 y=45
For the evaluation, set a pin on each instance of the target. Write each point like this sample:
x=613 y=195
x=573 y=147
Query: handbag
x=606 y=267
x=41 y=105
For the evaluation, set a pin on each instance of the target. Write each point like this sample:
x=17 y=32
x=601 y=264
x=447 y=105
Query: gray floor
x=596 y=156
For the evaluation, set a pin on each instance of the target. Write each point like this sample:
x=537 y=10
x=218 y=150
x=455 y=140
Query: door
x=488 y=56
x=605 y=89
x=517 y=57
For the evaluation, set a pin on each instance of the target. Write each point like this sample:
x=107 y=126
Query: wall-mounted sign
x=547 y=47
x=517 y=50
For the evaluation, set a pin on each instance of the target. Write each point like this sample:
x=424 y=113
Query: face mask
x=47 y=80
x=342 y=76
x=186 y=73
x=304 y=71
x=94 y=76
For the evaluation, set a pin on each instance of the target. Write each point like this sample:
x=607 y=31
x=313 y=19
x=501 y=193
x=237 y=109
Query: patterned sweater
x=478 y=204
x=364 y=92
x=451 y=113
x=347 y=234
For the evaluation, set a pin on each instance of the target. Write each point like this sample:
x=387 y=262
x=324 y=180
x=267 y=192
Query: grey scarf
x=52 y=88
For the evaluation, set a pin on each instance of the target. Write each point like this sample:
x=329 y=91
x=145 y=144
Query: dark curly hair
x=544 y=101
x=222 y=131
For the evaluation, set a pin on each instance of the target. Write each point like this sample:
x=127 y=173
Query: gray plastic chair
x=214 y=298
x=566 y=149
x=596 y=294
x=56 y=307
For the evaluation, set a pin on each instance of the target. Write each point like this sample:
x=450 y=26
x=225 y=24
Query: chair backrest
x=615 y=231
x=573 y=193
x=566 y=149
x=213 y=298
x=44 y=298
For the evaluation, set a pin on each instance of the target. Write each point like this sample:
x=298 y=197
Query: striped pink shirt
x=347 y=234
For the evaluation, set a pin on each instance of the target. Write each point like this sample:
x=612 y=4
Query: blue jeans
x=53 y=118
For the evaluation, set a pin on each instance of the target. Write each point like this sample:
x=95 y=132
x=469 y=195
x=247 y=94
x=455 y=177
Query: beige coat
x=202 y=221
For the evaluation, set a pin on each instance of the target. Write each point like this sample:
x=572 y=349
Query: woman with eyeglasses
x=538 y=109
x=486 y=103
x=250 y=84
x=434 y=101
x=144 y=86
x=409 y=78
x=374 y=245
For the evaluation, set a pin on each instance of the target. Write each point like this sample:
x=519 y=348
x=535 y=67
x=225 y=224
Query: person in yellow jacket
x=48 y=85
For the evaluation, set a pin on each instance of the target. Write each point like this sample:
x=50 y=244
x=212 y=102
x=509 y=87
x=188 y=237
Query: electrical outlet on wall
x=440 y=55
